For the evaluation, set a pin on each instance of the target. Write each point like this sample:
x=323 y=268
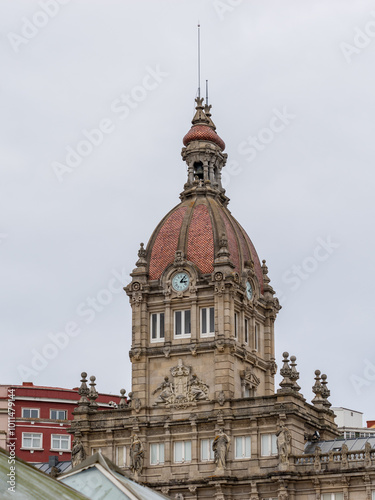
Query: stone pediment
x=249 y=378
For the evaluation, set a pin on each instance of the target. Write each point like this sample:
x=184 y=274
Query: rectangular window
x=182 y=323
x=121 y=456
x=182 y=451
x=246 y=331
x=334 y=496
x=60 y=442
x=207 y=453
x=256 y=337
x=243 y=447
x=235 y=325
x=207 y=321
x=30 y=412
x=248 y=393
x=157 y=327
x=156 y=453
x=268 y=445
x=31 y=440
x=58 y=414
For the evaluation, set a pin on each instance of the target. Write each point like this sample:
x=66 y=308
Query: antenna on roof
x=207 y=92
x=199 y=60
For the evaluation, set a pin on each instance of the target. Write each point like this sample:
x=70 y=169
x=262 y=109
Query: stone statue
x=78 y=452
x=367 y=454
x=166 y=388
x=220 y=447
x=136 y=455
x=284 y=440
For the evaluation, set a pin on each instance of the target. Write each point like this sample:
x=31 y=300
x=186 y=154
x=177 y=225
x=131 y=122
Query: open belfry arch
x=203 y=419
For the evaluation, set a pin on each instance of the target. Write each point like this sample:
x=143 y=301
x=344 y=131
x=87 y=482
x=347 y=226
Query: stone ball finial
x=293 y=359
x=83 y=374
x=122 y=392
x=317 y=372
x=285 y=355
x=92 y=378
x=324 y=376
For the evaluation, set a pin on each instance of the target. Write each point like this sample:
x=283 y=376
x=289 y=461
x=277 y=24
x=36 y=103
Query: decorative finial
x=83 y=391
x=93 y=394
x=317 y=390
x=294 y=373
x=287 y=383
x=325 y=391
x=265 y=272
x=123 y=403
x=141 y=256
x=223 y=253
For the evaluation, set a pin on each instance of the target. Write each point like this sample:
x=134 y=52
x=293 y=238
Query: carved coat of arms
x=182 y=389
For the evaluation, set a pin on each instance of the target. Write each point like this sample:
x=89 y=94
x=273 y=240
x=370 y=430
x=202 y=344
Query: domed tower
x=203 y=308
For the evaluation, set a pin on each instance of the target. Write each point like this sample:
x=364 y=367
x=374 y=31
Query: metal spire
x=199 y=60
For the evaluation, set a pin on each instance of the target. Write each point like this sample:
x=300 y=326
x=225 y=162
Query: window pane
x=204 y=449
x=246 y=331
x=178 y=451
x=161 y=325
x=238 y=446
x=55 y=443
x=36 y=441
x=326 y=496
x=34 y=413
x=212 y=320
x=339 y=496
x=235 y=325
x=204 y=320
x=178 y=322
x=161 y=453
x=247 y=447
x=273 y=444
x=265 y=445
x=65 y=443
x=188 y=451
x=210 y=443
x=121 y=456
x=154 y=456
x=27 y=441
x=187 y=322
x=154 y=319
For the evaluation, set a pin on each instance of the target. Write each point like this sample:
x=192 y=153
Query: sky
x=95 y=100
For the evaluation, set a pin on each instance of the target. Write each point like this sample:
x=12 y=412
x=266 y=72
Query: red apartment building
x=41 y=419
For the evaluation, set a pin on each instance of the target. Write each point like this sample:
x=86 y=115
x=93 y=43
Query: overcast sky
x=292 y=89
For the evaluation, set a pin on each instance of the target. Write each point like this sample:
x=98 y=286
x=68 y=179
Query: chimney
x=53 y=460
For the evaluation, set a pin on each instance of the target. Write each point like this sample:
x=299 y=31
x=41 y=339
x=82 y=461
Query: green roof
x=98 y=478
x=30 y=483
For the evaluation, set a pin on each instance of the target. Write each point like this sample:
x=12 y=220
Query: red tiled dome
x=195 y=226
x=203 y=133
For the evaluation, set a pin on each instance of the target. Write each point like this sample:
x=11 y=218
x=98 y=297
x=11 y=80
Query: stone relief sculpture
x=185 y=389
x=220 y=447
x=284 y=440
x=137 y=453
x=78 y=451
x=166 y=388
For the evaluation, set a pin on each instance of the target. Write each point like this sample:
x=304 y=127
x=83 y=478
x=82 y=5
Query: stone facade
x=203 y=419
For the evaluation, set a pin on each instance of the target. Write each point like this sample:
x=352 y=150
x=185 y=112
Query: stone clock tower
x=203 y=419
x=200 y=297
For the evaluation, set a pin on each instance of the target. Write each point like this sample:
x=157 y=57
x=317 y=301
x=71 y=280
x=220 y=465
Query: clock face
x=180 y=282
x=249 y=290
